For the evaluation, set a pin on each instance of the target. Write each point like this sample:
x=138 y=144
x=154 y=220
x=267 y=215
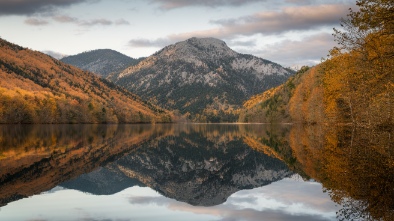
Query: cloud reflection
x=304 y=201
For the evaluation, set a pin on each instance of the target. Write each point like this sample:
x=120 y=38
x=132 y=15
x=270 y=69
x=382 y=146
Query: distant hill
x=101 y=62
x=201 y=78
x=36 y=88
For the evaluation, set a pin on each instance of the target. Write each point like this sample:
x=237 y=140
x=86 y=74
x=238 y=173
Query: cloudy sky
x=289 y=32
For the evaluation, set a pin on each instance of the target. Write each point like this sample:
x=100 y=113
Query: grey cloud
x=307 y=51
x=121 y=22
x=93 y=22
x=299 y=1
x=235 y=43
x=29 y=7
x=146 y=43
x=92 y=219
x=65 y=19
x=288 y=19
x=36 y=22
x=54 y=54
x=172 y=4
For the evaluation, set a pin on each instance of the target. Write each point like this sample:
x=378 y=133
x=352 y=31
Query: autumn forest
x=354 y=85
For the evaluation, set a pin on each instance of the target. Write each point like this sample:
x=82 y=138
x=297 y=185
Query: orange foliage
x=36 y=88
x=306 y=103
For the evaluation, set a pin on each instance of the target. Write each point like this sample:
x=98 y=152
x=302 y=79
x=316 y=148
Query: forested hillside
x=36 y=88
x=354 y=85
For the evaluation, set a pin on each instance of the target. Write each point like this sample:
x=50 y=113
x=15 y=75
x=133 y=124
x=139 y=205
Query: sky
x=289 y=32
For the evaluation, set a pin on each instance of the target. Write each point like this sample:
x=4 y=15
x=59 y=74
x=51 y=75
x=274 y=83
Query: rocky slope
x=101 y=62
x=201 y=78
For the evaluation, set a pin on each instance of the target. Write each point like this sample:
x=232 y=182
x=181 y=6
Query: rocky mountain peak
x=200 y=77
x=197 y=48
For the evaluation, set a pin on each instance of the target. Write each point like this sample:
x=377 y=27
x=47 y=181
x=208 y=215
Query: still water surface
x=195 y=172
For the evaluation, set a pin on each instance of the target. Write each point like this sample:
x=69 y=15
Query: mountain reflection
x=201 y=164
x=198 y=164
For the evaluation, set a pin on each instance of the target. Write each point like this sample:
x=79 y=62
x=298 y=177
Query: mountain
x=202 y=78
x=36 y=88
x=101 y=62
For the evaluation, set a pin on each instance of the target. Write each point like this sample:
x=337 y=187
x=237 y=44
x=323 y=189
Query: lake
x=199 y=172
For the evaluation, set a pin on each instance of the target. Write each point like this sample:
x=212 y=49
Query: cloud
x=121 y=22
x=267 y=23
x=65 y=19
x=29 y=7
x=299 y=18
x=236 y=43
x=92 y=22
x=54 y=54
x=307 y=51
x=36 y=22
x=146 y=43
x=172 y=4
x=299 y=1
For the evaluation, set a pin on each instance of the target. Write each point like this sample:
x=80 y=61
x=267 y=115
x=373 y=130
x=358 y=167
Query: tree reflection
x=355 y=165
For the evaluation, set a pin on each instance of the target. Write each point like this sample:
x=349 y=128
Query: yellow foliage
x=36 y=88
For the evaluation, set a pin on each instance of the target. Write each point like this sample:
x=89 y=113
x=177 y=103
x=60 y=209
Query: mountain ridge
x=201 y=78
x=100 y=61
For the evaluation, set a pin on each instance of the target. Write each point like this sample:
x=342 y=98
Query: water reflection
x=355 y=165
x=34 y=159
x=207 y=165
x=200 y=165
